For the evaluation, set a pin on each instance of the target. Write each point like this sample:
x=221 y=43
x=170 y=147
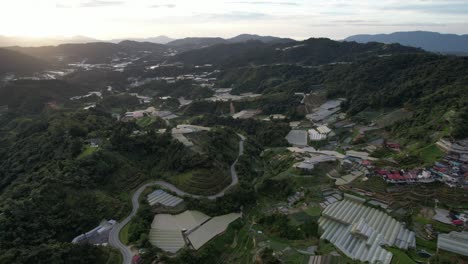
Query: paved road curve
x=114 y=239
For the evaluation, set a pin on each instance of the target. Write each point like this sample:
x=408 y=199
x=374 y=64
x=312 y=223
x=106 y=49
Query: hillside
x=308 y=52
x=12 y=61
x=434 y=87
x=32 y=96
x=198 y=43
x=98 y=52
x=264 y=39
x=158 y=39
x=430 y=41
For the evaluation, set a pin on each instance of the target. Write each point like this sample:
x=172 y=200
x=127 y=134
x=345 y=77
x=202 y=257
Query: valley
x=240 y=150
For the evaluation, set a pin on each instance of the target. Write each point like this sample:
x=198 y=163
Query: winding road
x=114 y=239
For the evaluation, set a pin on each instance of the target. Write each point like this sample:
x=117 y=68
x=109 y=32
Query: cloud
x=433 y=7
x=266 y=3
x=100 y=3
x=234 y=16
x=377 y=24
x=163 y=6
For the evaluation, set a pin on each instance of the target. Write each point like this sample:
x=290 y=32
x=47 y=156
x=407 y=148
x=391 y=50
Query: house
x=136 y=259
x=94 y=142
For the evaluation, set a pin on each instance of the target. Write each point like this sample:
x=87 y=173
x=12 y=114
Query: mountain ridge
x=430 y=41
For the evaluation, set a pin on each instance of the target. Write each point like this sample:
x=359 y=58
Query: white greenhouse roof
x=456 y=242
x=210 y=229
x=297 y=137
x=360 y=231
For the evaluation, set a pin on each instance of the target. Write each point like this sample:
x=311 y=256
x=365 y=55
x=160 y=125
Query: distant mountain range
x=184 y=44
x=95 y=52
x=313 y=51
x=430 y=41
x=159 y=39
x=197 y=43
x=37 y=42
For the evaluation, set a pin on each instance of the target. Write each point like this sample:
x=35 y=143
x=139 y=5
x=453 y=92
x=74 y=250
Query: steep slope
x=430 y=41
x=433 y=87
x=32 y=96
x=12 y=61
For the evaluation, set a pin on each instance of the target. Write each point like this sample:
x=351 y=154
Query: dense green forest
x=433 y=87
x=313 y=51
x=30 y=96
x=54 y=185
x=53 y=189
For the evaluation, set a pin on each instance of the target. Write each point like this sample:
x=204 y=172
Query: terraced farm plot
x=202 y=182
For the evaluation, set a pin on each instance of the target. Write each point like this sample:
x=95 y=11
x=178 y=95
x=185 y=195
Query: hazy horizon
x=297 y=19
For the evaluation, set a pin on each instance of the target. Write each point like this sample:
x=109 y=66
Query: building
x=309 y=163
x=190 y=228
x=97 y=236
x=360 y=231
x=456 y=242
x=297 y=138
x=315 y=135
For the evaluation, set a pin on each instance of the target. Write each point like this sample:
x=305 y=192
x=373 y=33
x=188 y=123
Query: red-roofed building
x=136 y=259
x=440 y=169
x=394 y=146
x=395 y=177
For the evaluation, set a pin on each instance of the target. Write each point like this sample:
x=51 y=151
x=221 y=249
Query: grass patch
x=145 y=121
x=87 y=151
x=313 y=211
x=441 y=227
x=430 y=154
x=400 y=257
x=123 y=235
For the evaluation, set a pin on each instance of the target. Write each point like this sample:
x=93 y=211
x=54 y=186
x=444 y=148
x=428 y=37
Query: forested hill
x=12 y=61
x=31 y=96
x=431 y=41
x=197 y=43
x=434 y=87
x=98 y=52
x=314 y=51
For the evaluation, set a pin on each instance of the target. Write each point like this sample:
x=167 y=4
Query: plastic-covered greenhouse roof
x=360 y=231
x=456 y=242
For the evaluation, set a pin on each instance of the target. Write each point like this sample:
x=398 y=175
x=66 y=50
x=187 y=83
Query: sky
x=298 y=19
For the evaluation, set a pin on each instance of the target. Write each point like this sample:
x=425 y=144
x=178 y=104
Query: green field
x=145 y=121
x=87 y=151
x=123 y=235
x=313 y=211
x=430 y=154
x=400 y=257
